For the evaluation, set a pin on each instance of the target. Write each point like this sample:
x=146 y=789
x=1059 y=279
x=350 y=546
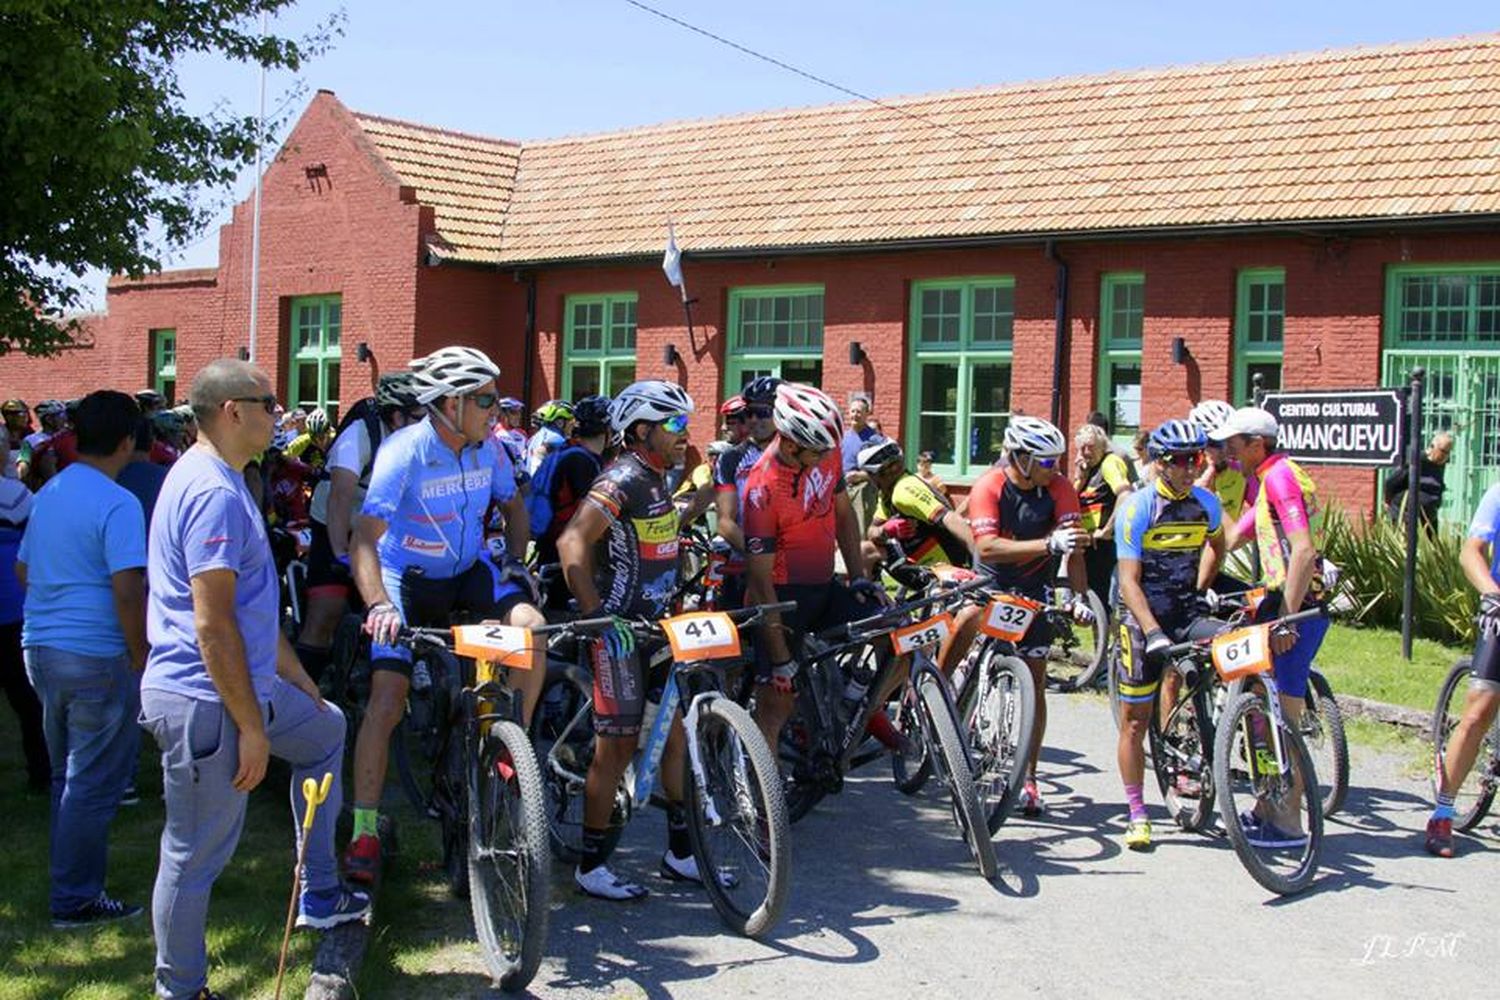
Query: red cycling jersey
x=998 y=508
x=789 y=512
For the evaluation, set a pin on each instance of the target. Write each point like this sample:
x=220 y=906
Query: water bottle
x=860 y=676
x=421 y=677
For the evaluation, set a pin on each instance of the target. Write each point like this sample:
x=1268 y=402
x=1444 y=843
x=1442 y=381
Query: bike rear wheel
x=1182 y=751
x=972 y=821
x=998 y=711
x=509 y=876
x=1252 y=786
x=1079 y=652
x=910 y=772
x=1322 y=727
x=562 y=730
x=737 y=819
x=800 y=754
x=1472 y=800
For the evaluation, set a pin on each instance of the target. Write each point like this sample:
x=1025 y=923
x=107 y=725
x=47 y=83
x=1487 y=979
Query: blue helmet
x=1176 y=436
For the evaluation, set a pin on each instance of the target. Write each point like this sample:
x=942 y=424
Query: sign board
x=1340 y=426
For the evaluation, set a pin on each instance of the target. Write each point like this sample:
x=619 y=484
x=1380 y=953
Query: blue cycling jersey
x=545 y=440
x=1166 y=534
x=1486 y=526
x=433 y=501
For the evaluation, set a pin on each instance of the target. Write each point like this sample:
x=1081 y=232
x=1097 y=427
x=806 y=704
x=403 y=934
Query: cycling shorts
x=325 y=574
x=819 y=606
x=1139 y=678
x=620 y=687
x=1295 y=665
x=431 y=602
x=1486 y=675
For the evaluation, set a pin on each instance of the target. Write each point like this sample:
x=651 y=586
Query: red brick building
x=1324 y=220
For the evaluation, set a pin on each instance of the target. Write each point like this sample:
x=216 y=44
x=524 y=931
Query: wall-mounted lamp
x=362 y=352
x=1180 y=352
x=857 y=355
x=669 y=355
x=243 y=354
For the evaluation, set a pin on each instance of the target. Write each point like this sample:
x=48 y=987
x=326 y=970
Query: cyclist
x=171 y=434
x=1286 y=522
x=552 y=420
x=311 y=446
x=730 y=473
x=562 y=480
x=695 y=494
x=796 y=513
x=335 y=502
x=1102 y=479
x=1161 y=534
x=1025 y=514
x=930 y=532
x=150 y=401
x=735 y=419
x=619 y=556
x=1481 y=564
x=1227 y=481
x=509 y=431
x=419 y=554
x=34 y=463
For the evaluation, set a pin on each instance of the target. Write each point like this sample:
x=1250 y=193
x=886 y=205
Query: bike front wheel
x=910 y=771
x=737 y=818
x=943 y=733
x=1079 y=652
x=1472 y=799
x=509 y=877
x=998 y=711
x=1270 y=806
x=1181 y=738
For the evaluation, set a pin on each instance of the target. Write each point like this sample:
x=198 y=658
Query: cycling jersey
x=1286 y=500
x=309 y=451
x=350 y=451
x=635 y=567
x=1102 y=486
x=788 y=512
x=433 y=500
x=730 y=473
x=1231 y=487
x=998 y=508
x=289 y=479
x=1166 y=535
x=575 y=471
x=545 y=440
x=932 y=543
x=1486 y=526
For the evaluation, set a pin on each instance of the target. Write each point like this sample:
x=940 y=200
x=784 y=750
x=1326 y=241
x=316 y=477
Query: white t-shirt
x=351 y=451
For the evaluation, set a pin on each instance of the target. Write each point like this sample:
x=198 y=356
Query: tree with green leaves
x=101 y=164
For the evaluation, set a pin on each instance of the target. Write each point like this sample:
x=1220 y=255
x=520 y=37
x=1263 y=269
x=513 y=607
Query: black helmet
x=147 y=398
x=761 y=390
x=592 y=416
x=396 y=391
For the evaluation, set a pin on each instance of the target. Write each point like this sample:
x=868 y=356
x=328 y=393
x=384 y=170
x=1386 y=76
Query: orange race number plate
x=702 y=635
x=502 y=645
x=1243 y=652
x=1008 y=617
x=920 y=635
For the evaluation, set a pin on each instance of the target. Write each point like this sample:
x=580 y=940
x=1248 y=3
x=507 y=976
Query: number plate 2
x=932 y=632
x=1243 y=652
x=702 y=635
x=1008 y=617
x=503 y=645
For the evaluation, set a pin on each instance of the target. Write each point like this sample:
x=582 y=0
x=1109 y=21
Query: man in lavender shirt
x=223 y=688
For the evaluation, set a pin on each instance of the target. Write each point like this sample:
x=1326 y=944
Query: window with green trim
x=1259 y=323
x=317 y=322
x=164 y=364
x=598 y=344
x=961 y=340
x=1443 y=307
x=775 y=331
x=1122 y=317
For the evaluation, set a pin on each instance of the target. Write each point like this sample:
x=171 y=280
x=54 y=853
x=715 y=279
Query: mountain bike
x=487 y=791
x=1078 y=652
x=1473 y=798
x=737 y=818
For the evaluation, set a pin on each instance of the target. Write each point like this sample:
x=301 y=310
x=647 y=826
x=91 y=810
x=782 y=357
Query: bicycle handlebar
x=889 y=617
x=1197 y=645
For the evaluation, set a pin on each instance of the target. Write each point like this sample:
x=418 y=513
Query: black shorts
x=323 y=571
x=1139 y=678
x=819 y=606
x=620 y=688
x=1486 y=662
x=431 y=602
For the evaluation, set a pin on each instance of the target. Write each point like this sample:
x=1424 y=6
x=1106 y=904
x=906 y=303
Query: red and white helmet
x=808 y=417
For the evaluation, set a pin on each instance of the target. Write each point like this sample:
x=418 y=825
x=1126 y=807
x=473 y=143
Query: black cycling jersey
x=636 y=563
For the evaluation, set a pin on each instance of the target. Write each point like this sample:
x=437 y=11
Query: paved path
x=885 y=902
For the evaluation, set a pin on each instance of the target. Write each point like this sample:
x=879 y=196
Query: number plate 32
x=702 y=635
x=932 y=632
x=1008 y=617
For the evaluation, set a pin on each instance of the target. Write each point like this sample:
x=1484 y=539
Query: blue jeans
x=199 y=756
x=88 y=718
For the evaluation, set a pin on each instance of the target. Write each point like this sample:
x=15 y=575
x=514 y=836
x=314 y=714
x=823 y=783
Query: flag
x=671 y=261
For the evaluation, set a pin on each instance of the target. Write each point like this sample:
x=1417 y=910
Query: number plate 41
x=702 y=635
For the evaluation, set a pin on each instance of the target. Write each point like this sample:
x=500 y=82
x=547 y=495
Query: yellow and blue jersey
x=1167 y=534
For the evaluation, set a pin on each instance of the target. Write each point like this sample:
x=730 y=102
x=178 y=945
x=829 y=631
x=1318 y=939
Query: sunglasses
x=757 y=412
x=1049 y=462
x=1184 y=459
x=675 y=425
x=485 y=400
x=267 y=401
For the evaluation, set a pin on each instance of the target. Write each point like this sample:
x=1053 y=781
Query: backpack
x=539 y=500
x=367 y=411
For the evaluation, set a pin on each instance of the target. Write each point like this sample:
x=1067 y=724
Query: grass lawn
x=1367 y=662
x=415 y=917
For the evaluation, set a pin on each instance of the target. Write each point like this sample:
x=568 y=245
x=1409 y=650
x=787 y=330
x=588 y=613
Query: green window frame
x=317 y=323
x=1447 y=307
x=1259 y=330
x=960 y=342
x=774 y=330
x=1122 y=318
x=164 y=364
x=598 y=356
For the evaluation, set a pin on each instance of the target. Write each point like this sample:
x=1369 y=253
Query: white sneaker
x=601 y=883
x=677 y=869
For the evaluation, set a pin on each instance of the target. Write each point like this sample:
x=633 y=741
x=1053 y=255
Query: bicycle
x=1472 y=799
x=820 y=743
x=737 y=817
x=1078 y=652
x=487 y=792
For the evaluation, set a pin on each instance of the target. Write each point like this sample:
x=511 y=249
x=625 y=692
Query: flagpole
x=671 y=265
x=260 y=123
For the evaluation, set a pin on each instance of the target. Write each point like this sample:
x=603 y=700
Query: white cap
x=1251 y=420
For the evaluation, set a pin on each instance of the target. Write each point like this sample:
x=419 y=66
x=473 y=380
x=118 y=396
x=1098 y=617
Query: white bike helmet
x=317 y=422
x=808 y=417
x=1211 y=414
x=452 y=371
x=1035 y=436
x=651 y=400
x=874 y=457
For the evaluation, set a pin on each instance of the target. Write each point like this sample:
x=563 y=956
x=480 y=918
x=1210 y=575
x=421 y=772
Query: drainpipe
x=530 y=341
x=1059 y=333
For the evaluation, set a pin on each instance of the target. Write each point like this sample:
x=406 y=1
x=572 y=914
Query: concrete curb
x=1396 y=715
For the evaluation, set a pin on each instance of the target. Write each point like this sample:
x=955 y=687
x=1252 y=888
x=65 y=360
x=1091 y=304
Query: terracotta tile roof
x=1394 y=131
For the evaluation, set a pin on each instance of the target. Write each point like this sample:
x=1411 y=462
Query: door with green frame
x=317 y=328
